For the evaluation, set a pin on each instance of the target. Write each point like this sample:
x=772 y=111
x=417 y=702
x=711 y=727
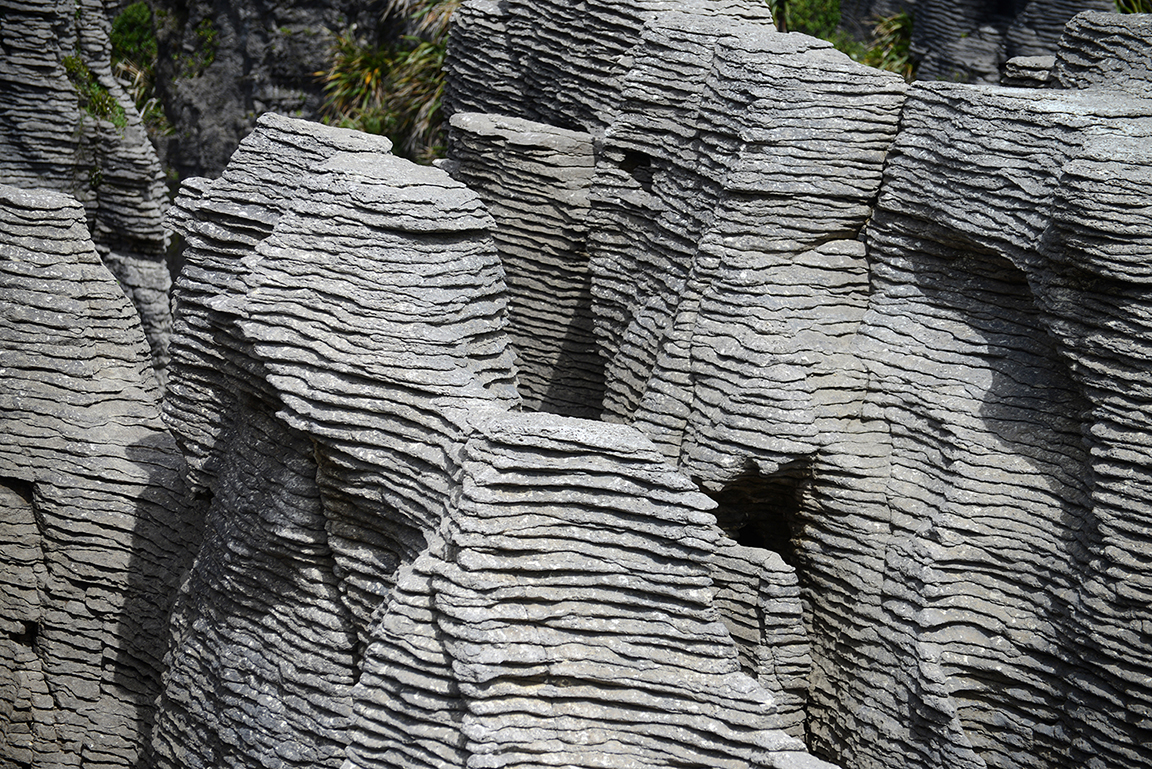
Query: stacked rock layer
x=95 y=528
x=397 y=568
x=534 y=179
x=66 y=124
x=873 y=482
x=918 y=386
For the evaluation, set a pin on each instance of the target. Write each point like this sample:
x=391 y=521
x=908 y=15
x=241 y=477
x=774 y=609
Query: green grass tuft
x=94 y=98
x=394 y=90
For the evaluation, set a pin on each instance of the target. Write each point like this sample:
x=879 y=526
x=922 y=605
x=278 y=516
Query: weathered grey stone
x=919 y=420
x=1106 y=50
x=343 y=384
x=96 y=529
x=1028 y=71
x=534 y=179
x=51 y=138
x=970 y=40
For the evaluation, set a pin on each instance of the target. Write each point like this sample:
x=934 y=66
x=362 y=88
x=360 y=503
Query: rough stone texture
x=223 y=64
x=970 y=40
x=1107 y=50
x=338 y=314
x=562 y=634
x=1028 y=72
x=48 y=141
x=717 y=251
x=553 y=62
x=442 y=581
x=880 y=354
x=95 y=527
x=759 y=599
x=534 y=179
x=988 y=271
x=940 y=426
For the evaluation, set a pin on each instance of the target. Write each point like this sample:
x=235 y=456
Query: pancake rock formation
x=96 y=522
x=718 y=402
x=894 y=334
x=399 y=567
x=66 y=124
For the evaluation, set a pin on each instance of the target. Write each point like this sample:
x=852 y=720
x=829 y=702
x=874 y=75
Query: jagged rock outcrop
x=95 y=525
x=534 y=179
x=970 y=40
x=924 y=423
x=553 y=63
x=562 y=634
x=875 y=472
x=66 y=124
x=1106 y=50
x=420 y=558
x=222 y=65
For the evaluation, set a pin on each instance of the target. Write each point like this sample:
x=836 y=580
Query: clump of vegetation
x=134 y=54
x=818 y=18
x=891 y=38
x=395 y=90
x=891 y=46
x=95 y=99
x=1134 y=6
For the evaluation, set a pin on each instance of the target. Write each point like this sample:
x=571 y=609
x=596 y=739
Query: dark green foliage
x=134 y=63
x=94 y=98
x=193 y=64
x=1134 y=6
x=891 y=46
x=818 y=18
x=394 y=90
x=132 y=36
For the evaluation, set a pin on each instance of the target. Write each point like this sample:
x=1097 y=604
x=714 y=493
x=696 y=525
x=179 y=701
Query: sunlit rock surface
x=96 y=527
x=66 y=124
x=871 y=480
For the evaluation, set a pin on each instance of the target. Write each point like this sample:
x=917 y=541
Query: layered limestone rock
x=549 y=631
x=555 y=63
x=397 y=568
x=534 y=179
x=95 y=526
x=970 y=40
x=1106 y=50
x=875 y=471
x=925 y=421
x=66 y=124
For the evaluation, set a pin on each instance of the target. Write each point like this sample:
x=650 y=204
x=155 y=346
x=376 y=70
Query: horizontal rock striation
x=758 y=597
x=553 y=632
x=553 y=63
x=970 y=40
x=339 y=313
x=381 y=519
x=681 y=363
x=1106 y=50
x=989 y=437
x=534 y=180
x=908 y=368
x=66 y=124
x=96 y=527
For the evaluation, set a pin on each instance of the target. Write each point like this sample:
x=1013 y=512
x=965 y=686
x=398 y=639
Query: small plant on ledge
x=395 y=90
